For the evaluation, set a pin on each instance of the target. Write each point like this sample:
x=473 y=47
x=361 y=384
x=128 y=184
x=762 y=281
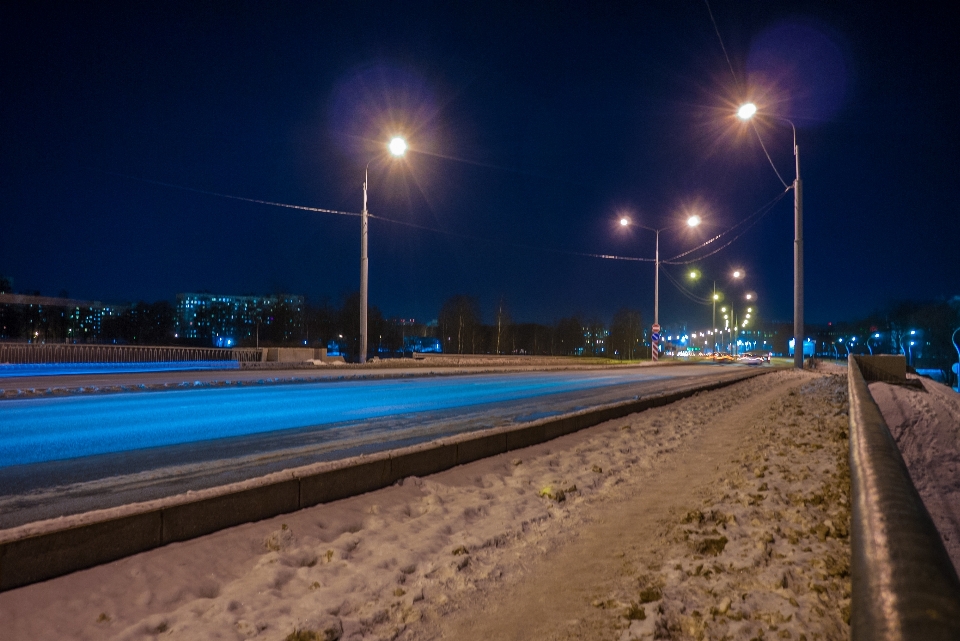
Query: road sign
x=655 y=337
x=656 y=328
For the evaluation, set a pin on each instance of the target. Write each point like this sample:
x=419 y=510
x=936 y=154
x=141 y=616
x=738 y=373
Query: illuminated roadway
x=88 y=451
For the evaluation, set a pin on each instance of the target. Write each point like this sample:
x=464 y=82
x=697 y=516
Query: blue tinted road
x=51 y=429
x=65 y=455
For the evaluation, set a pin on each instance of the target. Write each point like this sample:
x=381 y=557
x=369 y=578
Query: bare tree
x=459 y=319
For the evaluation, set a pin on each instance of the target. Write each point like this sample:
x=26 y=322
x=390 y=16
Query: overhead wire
x=737 y=81
x=686 y=292
x=767 y=153
x=725 y=55
x=510 y=243
x=383 y=218
x=463 y=236
x=752 y=219
x=232 y=197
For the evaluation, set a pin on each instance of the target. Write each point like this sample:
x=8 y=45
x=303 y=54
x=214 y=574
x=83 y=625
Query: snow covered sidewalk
x=722 y=514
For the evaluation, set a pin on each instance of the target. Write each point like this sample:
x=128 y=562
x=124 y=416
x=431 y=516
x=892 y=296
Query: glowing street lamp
x=397 y=147
x=692 y=221
x=745 y=113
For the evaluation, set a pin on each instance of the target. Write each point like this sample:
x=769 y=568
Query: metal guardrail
x=904 y=585
x=23 y=353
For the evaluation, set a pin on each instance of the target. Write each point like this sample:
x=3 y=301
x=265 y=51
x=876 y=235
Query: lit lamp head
x=738 y=273
x=746 y=111
x=693 y=221
x=397 y=146
x=624 y=221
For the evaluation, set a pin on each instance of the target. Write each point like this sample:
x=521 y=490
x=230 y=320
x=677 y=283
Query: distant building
x=47 y=319
x=226 y=321
x=595 y=338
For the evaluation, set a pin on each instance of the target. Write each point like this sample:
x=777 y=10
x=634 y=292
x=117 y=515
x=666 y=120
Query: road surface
x=61 y=455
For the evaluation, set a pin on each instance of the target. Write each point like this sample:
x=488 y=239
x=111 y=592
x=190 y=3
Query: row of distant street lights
x=398 y=147
x=746 y=112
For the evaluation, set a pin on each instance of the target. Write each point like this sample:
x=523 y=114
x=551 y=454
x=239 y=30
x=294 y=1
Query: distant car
x=721 y=357
x=751 y=359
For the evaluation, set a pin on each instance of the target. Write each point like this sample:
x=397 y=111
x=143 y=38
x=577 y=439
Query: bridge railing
x=904 y=585
x=26 y=353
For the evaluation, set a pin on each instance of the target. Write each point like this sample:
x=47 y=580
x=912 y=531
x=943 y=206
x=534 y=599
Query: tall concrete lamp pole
x=398 y=147
x=746 y=112
x=692 y=221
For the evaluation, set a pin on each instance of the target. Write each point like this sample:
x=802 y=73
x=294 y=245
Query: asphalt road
x=61 y=455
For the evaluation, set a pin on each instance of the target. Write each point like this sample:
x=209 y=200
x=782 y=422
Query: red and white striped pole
x=655 y=342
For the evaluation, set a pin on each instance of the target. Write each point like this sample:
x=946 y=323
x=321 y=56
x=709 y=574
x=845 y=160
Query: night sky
x=532 y=127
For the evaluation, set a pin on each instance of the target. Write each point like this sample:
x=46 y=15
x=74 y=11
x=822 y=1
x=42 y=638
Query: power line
x=725 y=55
x=752 y=219
x=736 y=81
x=458 y=234
x=232 y=197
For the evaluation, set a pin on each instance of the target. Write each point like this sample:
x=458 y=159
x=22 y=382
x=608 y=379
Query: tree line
x=461 y=331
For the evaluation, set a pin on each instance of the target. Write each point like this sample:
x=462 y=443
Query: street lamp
x=397 y=147
x=745 y=113
x=953 y=339
x=694 y=275
x=692 y=221
x=870 y=347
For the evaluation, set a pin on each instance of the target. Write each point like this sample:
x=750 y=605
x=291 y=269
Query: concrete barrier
x=349 y=478
x=190 y=520
x=40 y=551
x=886 y=368
x=38 y=558
x=290 y=354
x=905 y=587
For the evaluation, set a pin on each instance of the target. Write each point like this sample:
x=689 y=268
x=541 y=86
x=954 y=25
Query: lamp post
x=714 y=325
x=953 y=339
x=746 y=112
x=397 y=147
x=869 y=346
x=692 y=221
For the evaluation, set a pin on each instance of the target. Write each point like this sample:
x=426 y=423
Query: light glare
x=398 y=146
x=746 y=111
x=693 y=221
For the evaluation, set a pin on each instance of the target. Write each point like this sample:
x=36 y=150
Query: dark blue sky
x=532 y=127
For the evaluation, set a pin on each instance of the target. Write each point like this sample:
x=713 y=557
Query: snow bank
x=926 y=425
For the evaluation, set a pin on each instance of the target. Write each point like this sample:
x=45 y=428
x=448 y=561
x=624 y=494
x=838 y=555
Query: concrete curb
x=39 y=551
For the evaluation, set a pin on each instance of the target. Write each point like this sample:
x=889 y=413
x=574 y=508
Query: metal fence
x=904 y=585
x=24 y=353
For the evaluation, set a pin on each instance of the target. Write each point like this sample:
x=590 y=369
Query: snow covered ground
x=725 y=514
x=926 y=425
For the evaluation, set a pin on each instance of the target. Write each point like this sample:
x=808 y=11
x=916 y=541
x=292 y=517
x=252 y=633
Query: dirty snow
x=763 y=550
